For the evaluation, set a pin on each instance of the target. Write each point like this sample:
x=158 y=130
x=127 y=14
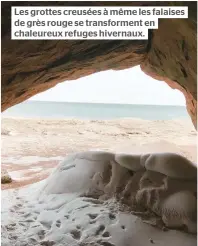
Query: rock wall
x=170 y=54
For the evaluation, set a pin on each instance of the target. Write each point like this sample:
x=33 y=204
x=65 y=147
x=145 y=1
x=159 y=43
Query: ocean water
x=93 y=111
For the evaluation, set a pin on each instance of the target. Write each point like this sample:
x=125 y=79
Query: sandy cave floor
x=86 y=201
x=54 y=212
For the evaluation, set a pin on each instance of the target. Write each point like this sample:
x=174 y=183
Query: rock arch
x=170 y=54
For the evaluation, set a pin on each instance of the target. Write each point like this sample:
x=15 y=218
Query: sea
x=94 y=111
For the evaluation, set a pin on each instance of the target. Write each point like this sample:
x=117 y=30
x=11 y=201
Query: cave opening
x=124 y=111
x=73 y=148
x=92 y=197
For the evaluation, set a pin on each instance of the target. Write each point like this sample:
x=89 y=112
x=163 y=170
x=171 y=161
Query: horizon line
x=105 y=103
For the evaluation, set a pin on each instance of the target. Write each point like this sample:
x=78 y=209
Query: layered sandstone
x=170 y=53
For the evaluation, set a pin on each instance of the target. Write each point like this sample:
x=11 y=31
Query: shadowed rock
x=169 y=54
x=5 y=177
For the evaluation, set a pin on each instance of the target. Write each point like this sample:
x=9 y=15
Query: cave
x=31 y=67
x=169 y=55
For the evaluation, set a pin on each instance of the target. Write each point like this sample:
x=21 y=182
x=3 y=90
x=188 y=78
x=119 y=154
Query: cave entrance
x=124 y=111
x=128 y=93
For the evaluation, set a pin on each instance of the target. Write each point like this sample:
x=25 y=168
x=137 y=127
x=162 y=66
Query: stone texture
x=5 y=177
x=172 y=58
x=170 y=54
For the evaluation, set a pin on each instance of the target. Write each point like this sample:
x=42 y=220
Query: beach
x=32 y=148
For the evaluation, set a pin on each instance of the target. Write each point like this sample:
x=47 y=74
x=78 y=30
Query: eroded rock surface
x=30 y=67
x=91 y=199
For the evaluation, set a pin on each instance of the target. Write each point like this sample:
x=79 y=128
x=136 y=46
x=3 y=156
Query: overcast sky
x=126 y=86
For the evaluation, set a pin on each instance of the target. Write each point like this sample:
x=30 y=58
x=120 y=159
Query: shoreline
x=89 y=119
x=32 y=148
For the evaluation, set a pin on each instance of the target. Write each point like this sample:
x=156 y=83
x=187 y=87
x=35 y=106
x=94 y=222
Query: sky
x=129 y=86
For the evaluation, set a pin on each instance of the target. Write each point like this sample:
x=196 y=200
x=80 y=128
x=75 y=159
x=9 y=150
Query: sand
x=31 y=148
x=62 y=209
